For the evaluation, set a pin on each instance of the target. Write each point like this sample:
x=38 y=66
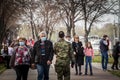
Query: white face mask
x=21 y=43
x=43 y=38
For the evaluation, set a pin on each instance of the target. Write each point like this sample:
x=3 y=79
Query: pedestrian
x=42 y=56
x=68 y=38
x=11 y=49
x=6 y=55
x=89 y=54
x=20 y=60
x=79 y=54
x=116 y=54
x=104 y=47
x=30 y=42
x=64 y=54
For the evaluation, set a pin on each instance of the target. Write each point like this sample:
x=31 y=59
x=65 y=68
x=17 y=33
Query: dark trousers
x=115 y=63
x=78 y=68
x=43 y=72
x=22 y=72
x=7 y=61
x=88 y=61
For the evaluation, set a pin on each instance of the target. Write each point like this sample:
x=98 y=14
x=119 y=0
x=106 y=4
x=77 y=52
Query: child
x=88 y=57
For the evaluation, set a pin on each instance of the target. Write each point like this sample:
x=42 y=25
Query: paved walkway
x=98 y=74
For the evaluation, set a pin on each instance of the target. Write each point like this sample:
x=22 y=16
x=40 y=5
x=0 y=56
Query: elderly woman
x=79 y=54
x=20 y=60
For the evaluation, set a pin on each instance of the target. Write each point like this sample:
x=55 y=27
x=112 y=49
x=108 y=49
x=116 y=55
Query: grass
x=115 y=72
x=97 y=59
x=2 y=68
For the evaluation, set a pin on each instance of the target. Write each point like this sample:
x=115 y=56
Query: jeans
x=43 y=72
x=22 y=72
x=88 y=61
x=104 y=60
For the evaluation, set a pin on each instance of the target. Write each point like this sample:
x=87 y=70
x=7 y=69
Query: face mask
x=21 y=43
x=43 y=38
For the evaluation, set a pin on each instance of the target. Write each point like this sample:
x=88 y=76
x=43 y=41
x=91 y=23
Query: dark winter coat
x=103 y=47
x=116 y=50
x=36 y=54
x=79 y=50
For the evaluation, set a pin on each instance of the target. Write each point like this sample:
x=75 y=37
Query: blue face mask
x=43 y=38
x=21 y=43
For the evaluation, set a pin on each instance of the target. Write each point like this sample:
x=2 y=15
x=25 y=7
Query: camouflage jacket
x=64 y=52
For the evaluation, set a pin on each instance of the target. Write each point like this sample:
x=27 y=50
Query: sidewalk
x=98 y=74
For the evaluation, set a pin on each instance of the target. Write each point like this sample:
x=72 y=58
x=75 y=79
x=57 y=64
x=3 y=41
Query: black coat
x=36 y=54
x=116 y=51
x=79 y=50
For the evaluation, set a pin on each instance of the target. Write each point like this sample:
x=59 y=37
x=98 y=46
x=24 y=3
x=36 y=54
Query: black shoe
x=80 y=73
x=91 y=74
x=76 y=73
x=112 y=68
x=86 y=74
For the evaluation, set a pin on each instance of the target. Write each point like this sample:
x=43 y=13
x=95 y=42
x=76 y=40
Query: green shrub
x=2 y=68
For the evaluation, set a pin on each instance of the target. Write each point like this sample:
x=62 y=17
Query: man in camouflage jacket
x=64 y=54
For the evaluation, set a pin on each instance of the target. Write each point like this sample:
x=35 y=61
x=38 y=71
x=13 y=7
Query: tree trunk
x=32 y=28
x=74 y=30
x=3 y=28
x=50 y=35
x=86 y=37
x=32 y=25
x=68 y=31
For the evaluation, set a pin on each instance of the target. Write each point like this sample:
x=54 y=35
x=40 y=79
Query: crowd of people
x=23 y=54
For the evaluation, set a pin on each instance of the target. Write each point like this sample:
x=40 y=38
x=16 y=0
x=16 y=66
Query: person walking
x=116 y=54
x=89 y=54
x=64 y=54
x=79 y=54
x=6 y=55
x=20 y=60
x=42 y=56
x=104 y=47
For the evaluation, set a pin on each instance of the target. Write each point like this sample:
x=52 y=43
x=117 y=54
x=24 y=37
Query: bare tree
x=70 y=12
x=92 y=11
x=9 y=10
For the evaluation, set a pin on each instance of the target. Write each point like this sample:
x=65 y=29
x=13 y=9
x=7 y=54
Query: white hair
x=42 y=32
